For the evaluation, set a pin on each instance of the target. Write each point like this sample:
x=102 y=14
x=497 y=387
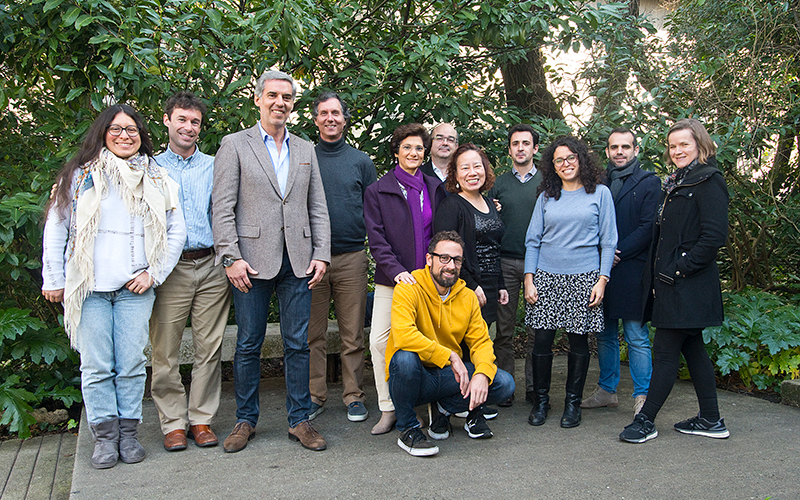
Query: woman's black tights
x=543 y=342
x=667 y=348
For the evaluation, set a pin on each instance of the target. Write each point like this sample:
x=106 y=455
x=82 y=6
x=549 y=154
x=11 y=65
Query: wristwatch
x=228 y=261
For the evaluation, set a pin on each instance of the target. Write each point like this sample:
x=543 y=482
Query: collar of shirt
x=441 y=175
x=176 y=159
x=527 y=177
x=280 y=161
x=265 y=135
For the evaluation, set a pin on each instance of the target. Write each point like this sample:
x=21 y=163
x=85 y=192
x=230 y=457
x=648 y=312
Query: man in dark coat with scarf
x=636 y=193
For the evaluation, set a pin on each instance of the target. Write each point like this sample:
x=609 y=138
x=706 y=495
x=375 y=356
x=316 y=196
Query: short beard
x=444 y=282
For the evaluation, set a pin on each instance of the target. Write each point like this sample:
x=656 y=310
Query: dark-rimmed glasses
x=445 y=259
x=116 y=130
x=561 y=161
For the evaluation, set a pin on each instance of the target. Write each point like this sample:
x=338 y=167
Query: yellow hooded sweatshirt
x=425 y=324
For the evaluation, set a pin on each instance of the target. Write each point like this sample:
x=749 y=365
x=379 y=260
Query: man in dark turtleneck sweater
x=636 y=193
x=346 y=172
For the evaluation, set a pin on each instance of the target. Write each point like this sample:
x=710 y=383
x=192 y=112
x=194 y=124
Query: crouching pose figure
x=430 y=320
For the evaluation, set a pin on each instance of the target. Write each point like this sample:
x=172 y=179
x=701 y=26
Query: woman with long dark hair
x=114 y=230
x=683 y=289
x=569 y=250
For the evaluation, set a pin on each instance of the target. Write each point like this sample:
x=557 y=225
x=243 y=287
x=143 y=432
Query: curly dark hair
x=410 y=130
x=589 y=171
x=451 y=184
x=95 y=141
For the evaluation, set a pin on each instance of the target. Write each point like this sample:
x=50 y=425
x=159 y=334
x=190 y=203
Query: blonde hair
x=705 y=145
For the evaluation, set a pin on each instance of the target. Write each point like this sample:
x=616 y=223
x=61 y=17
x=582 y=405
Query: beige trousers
x=378 y=337
x=199 y=288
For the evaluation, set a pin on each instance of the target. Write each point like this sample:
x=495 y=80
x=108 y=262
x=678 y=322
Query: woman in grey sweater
x=569 y=250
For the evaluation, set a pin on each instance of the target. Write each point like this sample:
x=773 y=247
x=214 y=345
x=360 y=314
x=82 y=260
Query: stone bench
x=272 y=348
x=790 y=392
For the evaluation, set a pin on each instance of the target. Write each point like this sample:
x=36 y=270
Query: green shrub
x=37 y=366
x=759 y=339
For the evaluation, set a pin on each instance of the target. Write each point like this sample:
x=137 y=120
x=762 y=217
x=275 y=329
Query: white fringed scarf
x=147 y=192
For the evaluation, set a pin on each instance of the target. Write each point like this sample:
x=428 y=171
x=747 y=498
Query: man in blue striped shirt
x=196 y=286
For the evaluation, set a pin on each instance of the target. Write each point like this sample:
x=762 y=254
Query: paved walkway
x=37 y=468
x=759 y=460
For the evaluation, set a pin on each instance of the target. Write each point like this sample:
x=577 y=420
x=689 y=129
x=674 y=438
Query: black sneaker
x=702 y=427
x=416 y=444
x=639 y=431
x=476 y=425
x=440 y=427
x=488 y=413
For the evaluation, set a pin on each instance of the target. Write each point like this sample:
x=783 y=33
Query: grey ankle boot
x=106 y=444
x=130 y=451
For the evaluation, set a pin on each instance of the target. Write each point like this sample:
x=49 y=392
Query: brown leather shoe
x=175 y=440
x=203 y=436
x=308 y=436
x=242 y=433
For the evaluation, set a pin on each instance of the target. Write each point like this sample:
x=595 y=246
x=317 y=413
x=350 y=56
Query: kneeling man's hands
x=478 y=390
x=460 y=372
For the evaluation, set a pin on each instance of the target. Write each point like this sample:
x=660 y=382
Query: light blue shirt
x=279 y=161
x=527 y=177
x=195 y=176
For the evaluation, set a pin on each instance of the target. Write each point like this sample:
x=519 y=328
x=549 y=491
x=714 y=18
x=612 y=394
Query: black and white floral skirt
x=564 y=303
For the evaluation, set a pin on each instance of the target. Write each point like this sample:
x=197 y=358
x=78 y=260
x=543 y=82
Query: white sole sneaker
x=418 y=452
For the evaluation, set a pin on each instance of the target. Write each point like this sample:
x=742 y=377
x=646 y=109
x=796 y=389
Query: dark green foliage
x=759 y=339
x=37 y=365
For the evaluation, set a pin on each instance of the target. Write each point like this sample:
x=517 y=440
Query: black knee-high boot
x=542 y=370
x=577 y=367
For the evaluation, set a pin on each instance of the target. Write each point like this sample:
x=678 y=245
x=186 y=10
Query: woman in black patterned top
x=475 y=218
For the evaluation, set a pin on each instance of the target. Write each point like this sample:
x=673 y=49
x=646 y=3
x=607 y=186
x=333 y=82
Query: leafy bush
x=759 y=339
x=38 y=366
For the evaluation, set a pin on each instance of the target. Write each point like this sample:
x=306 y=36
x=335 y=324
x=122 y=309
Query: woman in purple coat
x=399 y=211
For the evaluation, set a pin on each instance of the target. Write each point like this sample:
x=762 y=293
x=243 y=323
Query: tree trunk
x=526 y=86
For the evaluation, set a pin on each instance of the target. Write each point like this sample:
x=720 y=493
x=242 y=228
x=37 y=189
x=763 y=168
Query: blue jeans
x=637 y=335
x=112 y=336
x=252 y=308
x=413 y=384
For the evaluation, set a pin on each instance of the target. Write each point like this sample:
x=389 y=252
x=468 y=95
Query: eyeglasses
x=407 y=148
x=560 y=161
x=445 y=259
x=116 y=130
x=442 y=138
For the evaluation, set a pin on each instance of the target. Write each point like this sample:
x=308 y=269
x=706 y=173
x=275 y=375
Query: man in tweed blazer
x=272 y=233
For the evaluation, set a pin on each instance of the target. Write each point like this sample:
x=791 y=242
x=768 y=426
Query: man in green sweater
x=515 y=191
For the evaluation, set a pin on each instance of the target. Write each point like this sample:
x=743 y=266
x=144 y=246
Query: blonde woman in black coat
x=684 y=292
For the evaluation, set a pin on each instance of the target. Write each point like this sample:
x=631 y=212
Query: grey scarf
x=617 y=176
